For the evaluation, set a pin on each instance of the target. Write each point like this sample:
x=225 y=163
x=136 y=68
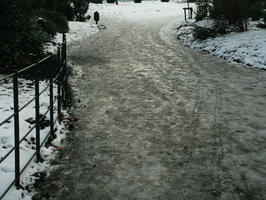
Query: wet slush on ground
x=158 y=120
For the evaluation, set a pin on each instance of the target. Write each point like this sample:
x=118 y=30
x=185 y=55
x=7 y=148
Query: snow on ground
x=145 y=9
x=247 y=48
x=27 y=147
x=77 y=31
x=34 y=170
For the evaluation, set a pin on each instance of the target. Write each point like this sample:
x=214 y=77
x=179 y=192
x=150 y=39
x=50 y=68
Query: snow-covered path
x=158 y=120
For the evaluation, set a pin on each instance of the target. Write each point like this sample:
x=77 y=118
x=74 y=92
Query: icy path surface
x=158 y=120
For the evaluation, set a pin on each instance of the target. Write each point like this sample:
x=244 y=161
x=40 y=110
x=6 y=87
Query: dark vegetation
x=233 y=11
x=96 y=1
x=110 y=1
x=27 y=25
x=228 y=15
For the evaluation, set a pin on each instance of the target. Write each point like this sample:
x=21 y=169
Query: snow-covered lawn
x=27 y=147
x=146 y=9
x=77 y=31
x=34 y=170
x=247 y=48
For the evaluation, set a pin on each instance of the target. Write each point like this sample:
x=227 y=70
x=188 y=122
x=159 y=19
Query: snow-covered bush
x=203 y=32
x=234 y=12
x=238 y=47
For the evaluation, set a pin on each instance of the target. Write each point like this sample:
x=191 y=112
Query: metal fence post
x=64 y=70
x=51 y=103
x=64 y=44
x=62 y=74
x=16 y=129
x=37 y=114
x=58 y=64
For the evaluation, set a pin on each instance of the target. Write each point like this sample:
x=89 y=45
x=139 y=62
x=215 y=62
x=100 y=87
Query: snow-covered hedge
x=247 y=48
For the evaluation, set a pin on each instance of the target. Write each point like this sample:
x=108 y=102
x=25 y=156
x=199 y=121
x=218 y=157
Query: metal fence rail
x=61 y=97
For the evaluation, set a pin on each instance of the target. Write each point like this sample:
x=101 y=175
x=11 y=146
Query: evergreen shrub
x=110 y=1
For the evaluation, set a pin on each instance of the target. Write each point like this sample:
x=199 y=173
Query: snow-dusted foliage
x=247 y=48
